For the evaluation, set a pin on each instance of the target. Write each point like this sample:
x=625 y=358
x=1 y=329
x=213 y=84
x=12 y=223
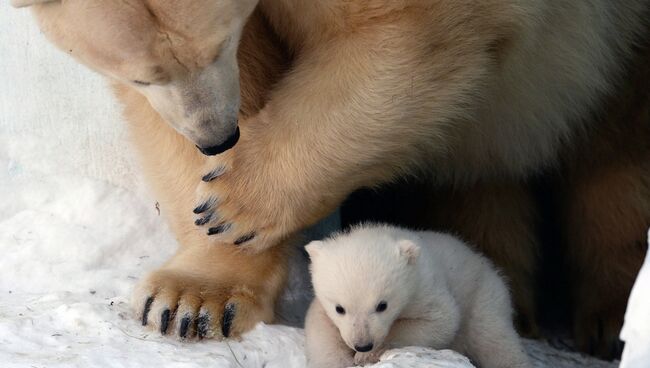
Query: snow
x=77 y=230
x=636 y=331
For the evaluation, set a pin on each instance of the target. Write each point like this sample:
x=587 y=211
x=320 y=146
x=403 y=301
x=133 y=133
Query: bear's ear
x=24 y=3
x=314 y=248
x=409 y=250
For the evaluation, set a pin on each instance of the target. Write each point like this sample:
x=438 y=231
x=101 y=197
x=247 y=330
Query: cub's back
x=463 y=269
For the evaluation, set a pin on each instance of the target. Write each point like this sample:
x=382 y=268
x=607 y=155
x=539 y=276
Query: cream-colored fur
x=462 y=90
x=435 y=292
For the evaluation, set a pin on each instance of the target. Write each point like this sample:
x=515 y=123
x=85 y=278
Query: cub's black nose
x=223 y=147
x=363 y=349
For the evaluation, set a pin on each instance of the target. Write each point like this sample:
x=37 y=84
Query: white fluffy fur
x=438 y=292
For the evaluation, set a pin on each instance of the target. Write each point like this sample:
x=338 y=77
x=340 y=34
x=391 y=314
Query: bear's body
x=340 y=95
x=436 y=292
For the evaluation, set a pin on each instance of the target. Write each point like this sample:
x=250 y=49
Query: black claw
x=228 y=316
x=145 y=311
x=244 y=238
x=164 y=321
x=203 y=221
x=185 y=325
x=213 y=174
x=218 y=229
x=202 y=325
x=204 y=206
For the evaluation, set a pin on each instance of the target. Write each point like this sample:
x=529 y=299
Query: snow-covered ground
x=77 y=230
x=72 y=249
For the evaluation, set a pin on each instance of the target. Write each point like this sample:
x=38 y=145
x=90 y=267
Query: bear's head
x=181 y=55
x=364 y=280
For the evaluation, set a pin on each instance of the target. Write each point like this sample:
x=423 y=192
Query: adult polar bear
x=479 y=93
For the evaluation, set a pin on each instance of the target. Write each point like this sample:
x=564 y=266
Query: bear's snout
x=226 y=145
x=363 y=348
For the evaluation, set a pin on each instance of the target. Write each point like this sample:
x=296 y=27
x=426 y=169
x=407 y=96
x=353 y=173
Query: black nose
x=223 y=147
x=363 y=349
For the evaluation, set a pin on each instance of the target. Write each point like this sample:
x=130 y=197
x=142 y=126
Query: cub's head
x=364 y=280
x=181 y=55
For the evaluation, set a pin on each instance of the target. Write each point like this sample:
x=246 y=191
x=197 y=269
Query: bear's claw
x=164 y=321
x=213 y=174
x=228 y=317
x=221 y=228
x=203 y=220
x=243 y=239
x=185 y=326
x=206 y=205
x=146 y=309
x=203 y=325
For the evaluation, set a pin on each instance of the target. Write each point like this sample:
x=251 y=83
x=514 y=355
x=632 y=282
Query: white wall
x=56 y=116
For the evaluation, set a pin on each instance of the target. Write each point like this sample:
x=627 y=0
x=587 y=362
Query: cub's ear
x=409 y=250
x=24 y=3
x=314 y=248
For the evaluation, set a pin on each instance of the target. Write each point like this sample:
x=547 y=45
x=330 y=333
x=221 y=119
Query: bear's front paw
x=247 y=200
x=188 y=305
x=368 y=358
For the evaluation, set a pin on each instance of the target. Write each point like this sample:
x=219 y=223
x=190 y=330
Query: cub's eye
x=381 y=306
x=340 y=310
x=141 y=83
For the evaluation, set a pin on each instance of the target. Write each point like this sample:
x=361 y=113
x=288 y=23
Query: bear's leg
x=344 y=118
x=437 y=334
x=607 y=217
x=499 y=219
x=206 y=289
x=487 y=334
x=606 y=213
x=324 y=346
x=211 y=292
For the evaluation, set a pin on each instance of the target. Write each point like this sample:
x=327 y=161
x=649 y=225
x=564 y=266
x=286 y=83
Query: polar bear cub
x=379 y=287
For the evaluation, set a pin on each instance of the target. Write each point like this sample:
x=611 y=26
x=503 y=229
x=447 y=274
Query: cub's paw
x=368 y=358
x=187 y=306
